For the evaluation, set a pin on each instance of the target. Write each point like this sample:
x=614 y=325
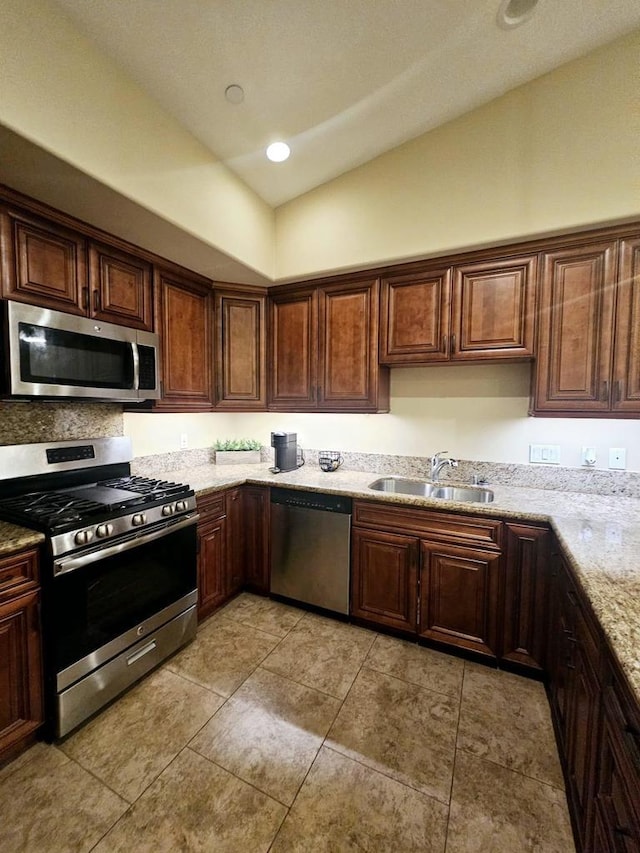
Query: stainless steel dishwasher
x=310 y=537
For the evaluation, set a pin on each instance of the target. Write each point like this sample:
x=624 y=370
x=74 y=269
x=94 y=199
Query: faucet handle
x=436 y=456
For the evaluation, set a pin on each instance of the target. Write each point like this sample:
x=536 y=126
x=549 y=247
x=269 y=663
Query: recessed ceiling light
x=234 y=94
x=278 y=152
x=512 y=13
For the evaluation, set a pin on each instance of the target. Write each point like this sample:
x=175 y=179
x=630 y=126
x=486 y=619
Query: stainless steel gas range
x=119 y=569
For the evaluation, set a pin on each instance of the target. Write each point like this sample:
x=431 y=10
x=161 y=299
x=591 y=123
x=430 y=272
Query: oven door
x=102 y=602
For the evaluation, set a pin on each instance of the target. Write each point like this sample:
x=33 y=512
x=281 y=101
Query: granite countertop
x=14 y=538
x=599 y=534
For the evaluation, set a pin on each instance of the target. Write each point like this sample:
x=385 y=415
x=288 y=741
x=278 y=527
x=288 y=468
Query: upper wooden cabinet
x=184 y=318
x=626 y=357
x=323 y=349
x=589 y=344
x=577 y=302
x=120 y=287
x=45 y=264
x=240 y=350
x=482 y=310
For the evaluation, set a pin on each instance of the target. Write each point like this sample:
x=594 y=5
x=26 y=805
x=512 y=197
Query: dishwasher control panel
x=311 y=500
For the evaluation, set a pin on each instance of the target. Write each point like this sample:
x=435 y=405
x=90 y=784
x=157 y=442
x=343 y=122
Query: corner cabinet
x=589 y=343
x=478 y=311
x=184 y=320
x=240 y=350
x=324 y=349
x=21 y=705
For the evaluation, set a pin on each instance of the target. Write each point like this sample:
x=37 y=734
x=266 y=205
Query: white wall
x=58 y=91
x=555 y=154
x=476 y=412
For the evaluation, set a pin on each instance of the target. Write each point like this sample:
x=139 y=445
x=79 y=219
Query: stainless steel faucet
x=438 y=463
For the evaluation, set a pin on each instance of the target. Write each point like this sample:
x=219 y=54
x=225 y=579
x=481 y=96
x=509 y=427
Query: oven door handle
x=70 y=564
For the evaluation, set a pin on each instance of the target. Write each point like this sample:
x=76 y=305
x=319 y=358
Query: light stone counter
x=600 y=535
x=14 y=538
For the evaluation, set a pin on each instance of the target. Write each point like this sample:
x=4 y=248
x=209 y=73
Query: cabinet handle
x=453 y=344
x=616 y=392
x=85 y=297
x=96 y=300
x=444 y=344
x=605 y=390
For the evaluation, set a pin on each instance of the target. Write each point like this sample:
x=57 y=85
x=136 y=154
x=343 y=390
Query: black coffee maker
x=286 y=451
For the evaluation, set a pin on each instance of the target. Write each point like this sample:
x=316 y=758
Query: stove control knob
x=181 y=506
x=103 y=530
x=138 y=519
x=168 y=509
x=83 y=536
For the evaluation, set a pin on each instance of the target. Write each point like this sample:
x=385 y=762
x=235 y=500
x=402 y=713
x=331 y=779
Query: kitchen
x=427 y=412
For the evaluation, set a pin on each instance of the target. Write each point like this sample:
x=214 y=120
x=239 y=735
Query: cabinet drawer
x=436 y=526
x=212 y=506
x=18 y=573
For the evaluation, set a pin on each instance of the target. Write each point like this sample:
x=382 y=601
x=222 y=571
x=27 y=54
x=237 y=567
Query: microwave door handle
x=135 y=356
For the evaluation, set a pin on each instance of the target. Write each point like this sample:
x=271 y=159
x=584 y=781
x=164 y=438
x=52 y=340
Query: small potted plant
x=237 y=451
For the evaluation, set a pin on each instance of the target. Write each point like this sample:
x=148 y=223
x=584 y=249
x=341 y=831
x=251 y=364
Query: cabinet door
x=235 y=541
x=120 y=286
x=21 y=711
x=617 y=795
x=573 y=369
x=293 y=328
x=459 y=596
x=212 y=566
x=348 y=348
x=561 y=648
x=583 y=723
x=525 y=595
x=240 y=351
x=384 y=578
x=414 y=320
x=494 y=310
x=626 y=369
x=184 y=313
x=43 y=263
x=256 y=537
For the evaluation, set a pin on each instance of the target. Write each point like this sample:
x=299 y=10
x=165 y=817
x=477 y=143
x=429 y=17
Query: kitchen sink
x=398 y=485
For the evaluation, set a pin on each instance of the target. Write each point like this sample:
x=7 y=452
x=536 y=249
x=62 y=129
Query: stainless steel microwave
x=51 y=354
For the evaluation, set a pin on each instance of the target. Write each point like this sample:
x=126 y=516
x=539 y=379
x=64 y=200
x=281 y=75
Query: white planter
x=237 y=457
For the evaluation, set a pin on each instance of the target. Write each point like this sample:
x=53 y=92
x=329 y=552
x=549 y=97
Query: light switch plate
x=546 y=454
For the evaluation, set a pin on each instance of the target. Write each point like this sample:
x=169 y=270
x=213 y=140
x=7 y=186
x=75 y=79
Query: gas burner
x=147 y=486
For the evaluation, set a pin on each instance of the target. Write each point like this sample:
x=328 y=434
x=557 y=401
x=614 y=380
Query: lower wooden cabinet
x=433 y=574
x=212 y=553
x=384 y=578
x=255 y=531
x=236 y=545
x=459 y=596
x=524 y=633
x=21 y=706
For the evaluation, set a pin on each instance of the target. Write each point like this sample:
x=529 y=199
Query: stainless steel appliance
x=310 y=539
x=51 y=354
x=286 y=451
x=119 y=567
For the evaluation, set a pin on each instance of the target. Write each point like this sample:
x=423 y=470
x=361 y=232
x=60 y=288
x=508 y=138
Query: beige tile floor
x=279 y=730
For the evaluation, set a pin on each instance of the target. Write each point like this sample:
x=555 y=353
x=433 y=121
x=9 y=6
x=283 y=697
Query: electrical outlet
x=545 y=453
x=618 y=457
x=184 y=440
x=589 y=456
